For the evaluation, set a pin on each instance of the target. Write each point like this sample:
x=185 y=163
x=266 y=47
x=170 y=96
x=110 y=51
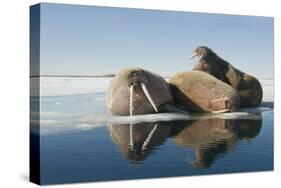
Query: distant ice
x=86 y=112
x=60 y=86
x=268 y=89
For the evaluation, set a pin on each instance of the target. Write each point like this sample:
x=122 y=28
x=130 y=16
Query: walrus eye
x=134 y=73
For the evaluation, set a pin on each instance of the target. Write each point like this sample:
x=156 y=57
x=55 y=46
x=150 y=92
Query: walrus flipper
x=249 y=98
x=171 y=108
x=220 y=111
x=220 y=105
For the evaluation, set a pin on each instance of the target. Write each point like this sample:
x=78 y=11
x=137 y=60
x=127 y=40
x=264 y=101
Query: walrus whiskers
x=146 y=92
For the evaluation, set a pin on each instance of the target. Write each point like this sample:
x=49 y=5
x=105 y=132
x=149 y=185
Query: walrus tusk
x=131 y=113
x=146 y=92
x=131 y=99
x=131 y=137
x=220 y=111
x=148 y=139
x=192 y=56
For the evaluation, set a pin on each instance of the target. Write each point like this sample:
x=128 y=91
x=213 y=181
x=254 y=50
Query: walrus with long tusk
x=197 y=91
x=248 y=87
x=136 y=91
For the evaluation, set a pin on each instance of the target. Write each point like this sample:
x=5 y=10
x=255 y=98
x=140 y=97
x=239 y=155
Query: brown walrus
x=137 y=91
x=212 y=137
x=248 y=87
x=198 y=91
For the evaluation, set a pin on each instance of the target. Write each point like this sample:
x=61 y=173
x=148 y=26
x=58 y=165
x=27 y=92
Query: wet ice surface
x=81 y=141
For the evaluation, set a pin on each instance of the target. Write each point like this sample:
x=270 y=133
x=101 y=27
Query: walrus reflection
x=213 y=137
x=248 y=129
x=137 y=141
x=247 y=86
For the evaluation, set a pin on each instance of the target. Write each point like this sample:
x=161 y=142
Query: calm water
x=75 y=150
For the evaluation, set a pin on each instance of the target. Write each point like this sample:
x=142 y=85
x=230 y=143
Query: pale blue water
x=73 y=150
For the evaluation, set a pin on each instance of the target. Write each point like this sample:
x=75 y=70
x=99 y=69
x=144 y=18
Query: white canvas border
x=15 y=93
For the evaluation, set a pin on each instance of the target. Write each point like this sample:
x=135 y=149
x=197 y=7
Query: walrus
x=213 y=137
x=197 y=91
x=248 y=87
x=137 y=141
x=136 y=91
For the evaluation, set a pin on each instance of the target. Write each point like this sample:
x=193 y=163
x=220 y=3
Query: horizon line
x=109 y=76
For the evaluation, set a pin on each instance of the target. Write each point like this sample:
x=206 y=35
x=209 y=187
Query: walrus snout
x=201 y=52
x=136 y=78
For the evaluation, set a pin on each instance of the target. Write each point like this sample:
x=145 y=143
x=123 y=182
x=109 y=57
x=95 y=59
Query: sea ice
x=58 y=116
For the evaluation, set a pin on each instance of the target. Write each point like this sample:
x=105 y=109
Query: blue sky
x=89 y=40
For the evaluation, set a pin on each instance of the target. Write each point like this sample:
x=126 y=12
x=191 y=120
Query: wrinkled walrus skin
x=248 y=87
x=118 y=92
x=197 y=91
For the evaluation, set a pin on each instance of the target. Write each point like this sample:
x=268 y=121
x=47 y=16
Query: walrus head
x=136 y=77
x=202 y=52
x=208 y=61
x=137 y=80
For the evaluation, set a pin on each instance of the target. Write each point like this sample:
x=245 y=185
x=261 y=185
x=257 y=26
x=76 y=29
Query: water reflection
x=210 y=138
x=136 y=141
